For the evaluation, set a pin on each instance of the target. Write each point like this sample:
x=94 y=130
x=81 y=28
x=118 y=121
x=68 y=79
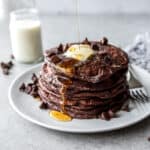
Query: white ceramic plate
x=28 y=108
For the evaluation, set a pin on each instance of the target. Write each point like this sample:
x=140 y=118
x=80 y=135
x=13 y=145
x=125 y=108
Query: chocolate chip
x=43 y=106
x=10 y=64
x=86 y=41
x=111 y=113
x=22 y=87
x=6 y=67
x=105 y=116
x=31 y=88
x=66 y=46
x=60 y=48
x=107 y=60
x=148 y=139
x=104 y=41
x=28 y=88
x=95 y=47
x=34 y=87
x=55 y=59
x=34 y=78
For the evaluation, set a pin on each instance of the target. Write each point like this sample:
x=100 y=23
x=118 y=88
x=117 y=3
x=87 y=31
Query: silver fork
x=138 y=95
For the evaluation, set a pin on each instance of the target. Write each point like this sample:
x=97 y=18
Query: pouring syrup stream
x=77 y=19
x=62 y=116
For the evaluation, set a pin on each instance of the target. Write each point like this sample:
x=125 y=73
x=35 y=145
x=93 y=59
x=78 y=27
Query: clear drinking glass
x=25 y=33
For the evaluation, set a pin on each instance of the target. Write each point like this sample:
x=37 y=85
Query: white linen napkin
x=139 y=54
x=139 y=51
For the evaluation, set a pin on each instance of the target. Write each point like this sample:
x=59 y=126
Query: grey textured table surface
x=19 y=134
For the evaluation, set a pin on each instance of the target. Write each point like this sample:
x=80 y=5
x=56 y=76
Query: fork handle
x=134 y=83
x=143 y=76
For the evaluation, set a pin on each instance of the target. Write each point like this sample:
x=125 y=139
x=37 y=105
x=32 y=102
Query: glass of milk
x=25 y=33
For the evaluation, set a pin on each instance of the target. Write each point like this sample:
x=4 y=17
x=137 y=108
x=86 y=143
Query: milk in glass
x=25 y=33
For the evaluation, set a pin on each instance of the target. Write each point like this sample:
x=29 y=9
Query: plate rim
x=57 y=128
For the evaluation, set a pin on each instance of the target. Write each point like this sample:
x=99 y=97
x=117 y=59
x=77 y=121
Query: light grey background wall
x=95 y=6
x=85 y=6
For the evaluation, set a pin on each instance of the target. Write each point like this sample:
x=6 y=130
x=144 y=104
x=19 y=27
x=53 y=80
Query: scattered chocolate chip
x=86 y=41
x=31 y=88
x=6 y=67
x=104 y=41
x=105 y=116
x=10 y=64
x=34 y=78
x=111 y=113
x=3 y=65
x=12 y=56
x=60 y=48
x=43 y=106
x=28 y=88
x=95 y=47
x=22 y=87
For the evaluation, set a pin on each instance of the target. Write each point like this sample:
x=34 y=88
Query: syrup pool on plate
x=59 y=116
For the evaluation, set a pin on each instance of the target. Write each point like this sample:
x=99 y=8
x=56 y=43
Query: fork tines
x=139 y=95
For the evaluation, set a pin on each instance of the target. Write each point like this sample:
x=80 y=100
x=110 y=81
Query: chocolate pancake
x=53 y=78
x=70 y=94
x=106 y=60
x=90 y=101
x=89 y=111
x=89 y=88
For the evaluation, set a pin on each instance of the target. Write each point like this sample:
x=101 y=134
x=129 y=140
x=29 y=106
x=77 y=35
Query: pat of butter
x=79 y=51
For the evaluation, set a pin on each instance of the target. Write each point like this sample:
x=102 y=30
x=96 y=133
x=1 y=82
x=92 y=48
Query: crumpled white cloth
x=139 y=51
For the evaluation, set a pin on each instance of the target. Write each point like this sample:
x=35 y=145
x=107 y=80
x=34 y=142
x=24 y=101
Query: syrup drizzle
x=63 y=90
x=77 y=19
x=63 y=116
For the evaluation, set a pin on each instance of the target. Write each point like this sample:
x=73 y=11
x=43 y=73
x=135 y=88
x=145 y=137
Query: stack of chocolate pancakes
x=94 y=87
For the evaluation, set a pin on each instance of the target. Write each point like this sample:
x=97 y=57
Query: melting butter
x=59 y=116
x=79 y=51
